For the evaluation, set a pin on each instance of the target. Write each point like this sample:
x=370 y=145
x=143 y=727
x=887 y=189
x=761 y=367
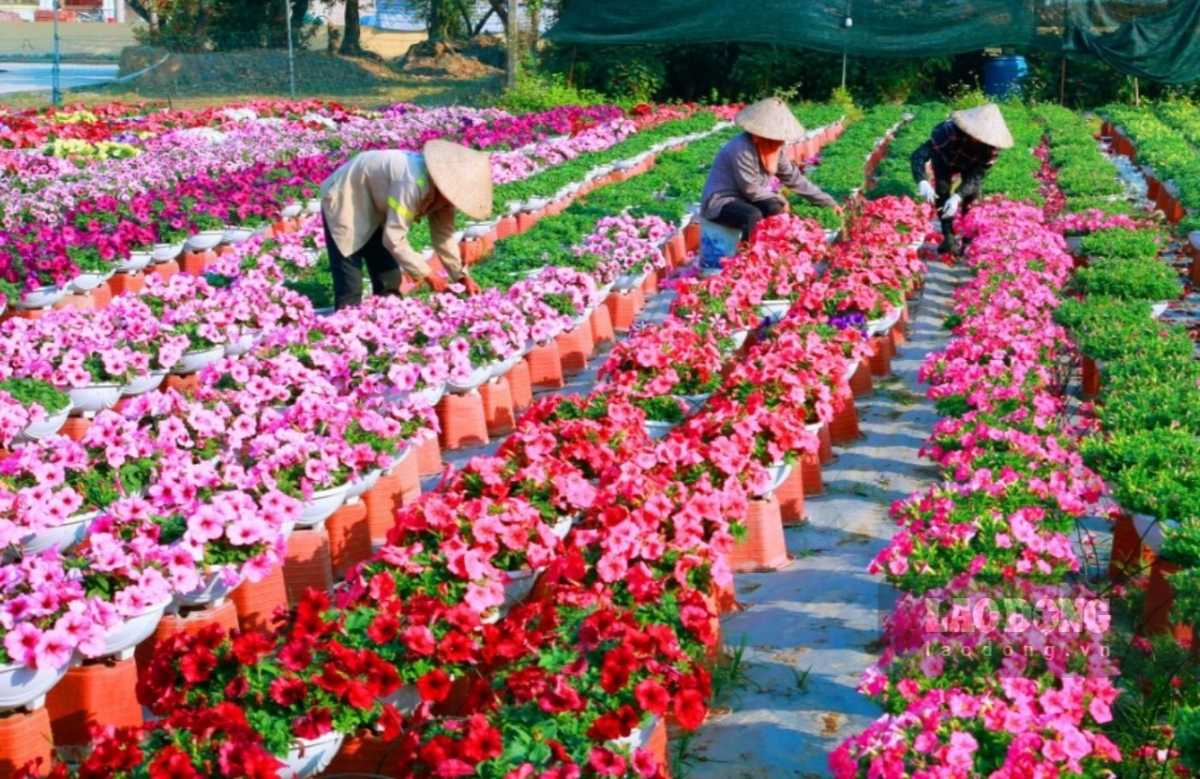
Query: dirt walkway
x=809 y=629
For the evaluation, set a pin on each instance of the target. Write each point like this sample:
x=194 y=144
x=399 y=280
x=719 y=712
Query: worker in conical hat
x=370 y=202
x=738 y=191
x=967 y=145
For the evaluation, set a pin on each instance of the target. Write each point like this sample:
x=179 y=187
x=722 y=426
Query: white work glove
x=927 y=191
x=951 y=207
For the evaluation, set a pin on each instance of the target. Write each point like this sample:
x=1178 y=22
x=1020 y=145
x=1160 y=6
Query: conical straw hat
x=770 y=118
x=462 y=175
x=985 y=124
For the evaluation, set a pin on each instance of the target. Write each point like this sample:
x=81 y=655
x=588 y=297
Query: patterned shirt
x=952 y=151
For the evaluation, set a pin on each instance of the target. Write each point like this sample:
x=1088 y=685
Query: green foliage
x=1129 y=280
x=535 y=92
x=1123 y=243
x=30 y=392
x=662 y=408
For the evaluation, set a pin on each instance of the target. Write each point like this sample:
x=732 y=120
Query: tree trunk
x=352 y=36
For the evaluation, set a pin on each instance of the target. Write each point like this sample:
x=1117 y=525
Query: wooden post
x=514 y=40
x=1137 y=94
x=1062 y=84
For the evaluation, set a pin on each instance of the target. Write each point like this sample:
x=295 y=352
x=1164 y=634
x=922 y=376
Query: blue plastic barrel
x=1002 y=75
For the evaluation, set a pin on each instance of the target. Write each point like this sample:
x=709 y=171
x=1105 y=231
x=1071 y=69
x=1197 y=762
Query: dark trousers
x=744 y=215
x=943 y=178
x=347 y=272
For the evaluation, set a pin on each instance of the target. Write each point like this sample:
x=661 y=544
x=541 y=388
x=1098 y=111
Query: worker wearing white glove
x=950 y=210
x=966 y=145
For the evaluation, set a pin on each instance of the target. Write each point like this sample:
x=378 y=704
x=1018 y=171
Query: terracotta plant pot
x=843 y=428
x=429 y=457
x=190 y=622
x=409 y=472
x=505 y=227
x=810 y=475
x=1160 y=598
x=764 y=548
x=623 y=308
x=825 y=452
x=861 y=384
x=25 y=738
x=1090 y=378
x=881 y=358
x=127 y=283
x=98 y=693
x=462 y=421
x=365 y=753
x=349 y=537
x=185 y=384
x=498 y=410
x=308 y=562
x=545 y=367
x=1126 y=549
x=256 y=602
x=520 y=386
x=382 y=501
x=650 y=286
x=603 y=335
x=76 y=428
x=691 y=237
x=790 y=495
x=195 y=263
x=574 y=349
x=102 y=295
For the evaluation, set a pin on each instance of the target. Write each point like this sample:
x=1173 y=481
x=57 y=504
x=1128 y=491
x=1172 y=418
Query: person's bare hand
x=435 y=281
x=839 y=211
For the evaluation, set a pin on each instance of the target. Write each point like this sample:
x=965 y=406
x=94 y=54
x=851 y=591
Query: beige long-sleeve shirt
x=392 y=190
x=737 y=174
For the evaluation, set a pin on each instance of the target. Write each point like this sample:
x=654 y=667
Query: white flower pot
x=243 y=344
x=852 y=367
x=778 y=474
x=356 y=488
x=478 y=230
x=212 y=591
x=94 y=398
x=50 y=425
x=775 y=309
x=431 y=395
x=694 y=402
x=312 y=206
x=309 y=757
x=42 y=297
x=658 y=430
x=534 y=203
x=198 y=360
x=62 y=537
x=123 y=638
x=739 y=338
x=204 y=240
x=504 y=366
x=145 y=384
x=291 y=211
x=638 y=738
x=479 y=375
x=165 y=252
x=1150 y=530
x=234 y=235
x=86 y=282
x=21 y=686
x=562 y=527
x=321 y=506
x=405 y=699
x=877 y=326
x=518 y=586
x=627 y=282
x=1158 y=309
x=137 y=261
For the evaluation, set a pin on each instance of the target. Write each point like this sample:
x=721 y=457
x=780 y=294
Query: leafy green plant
x=1122 y=243
x=31 y=392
